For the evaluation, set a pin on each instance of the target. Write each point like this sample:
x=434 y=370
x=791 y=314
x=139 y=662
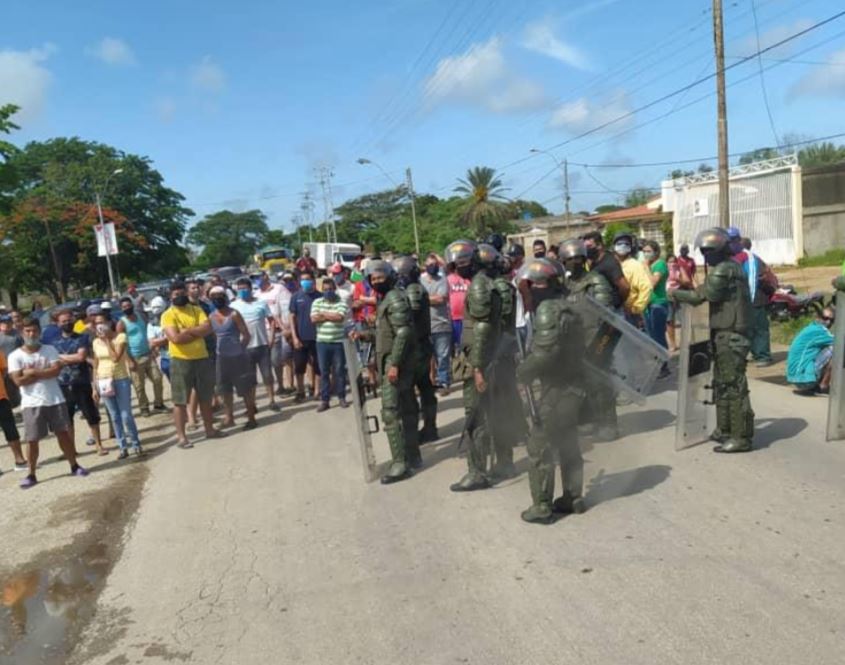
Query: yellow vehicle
x=274 y=259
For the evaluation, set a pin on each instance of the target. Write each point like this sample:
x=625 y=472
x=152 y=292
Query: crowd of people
x=418 y=324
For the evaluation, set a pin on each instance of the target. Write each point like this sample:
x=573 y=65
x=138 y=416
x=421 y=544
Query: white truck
x=327 y=253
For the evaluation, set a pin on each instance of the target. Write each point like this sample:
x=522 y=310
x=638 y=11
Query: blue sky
x=238 y=102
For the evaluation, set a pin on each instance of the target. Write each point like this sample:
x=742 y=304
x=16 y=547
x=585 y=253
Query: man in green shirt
x=328 y=315
x=657 y=314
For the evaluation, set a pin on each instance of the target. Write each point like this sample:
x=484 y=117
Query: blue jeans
x=457 y=328
x=332 y=363
x=119 y=407
x=443 y=357
x=759 y=336
x=656 y=317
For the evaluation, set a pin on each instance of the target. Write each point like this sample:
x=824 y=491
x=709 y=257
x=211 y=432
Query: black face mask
x=592 y=253
x=465 y=271
x=129 y=311
x=539 y=295
x=575 y=268
x=381 y=288
x=180 y=301
x=432 y=269
x=540 y=254
x=219 y=302
x=67 y=327
x=713 y=258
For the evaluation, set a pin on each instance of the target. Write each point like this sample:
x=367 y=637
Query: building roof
x=551 y=221
x=638 y=213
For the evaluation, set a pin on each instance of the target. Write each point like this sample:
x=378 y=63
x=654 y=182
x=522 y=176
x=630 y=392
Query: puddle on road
x=43 y=608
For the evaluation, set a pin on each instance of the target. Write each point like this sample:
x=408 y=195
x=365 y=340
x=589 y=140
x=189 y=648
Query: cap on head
x=733 y=233
x=217 y=291
x=93 y=310
x=461 y=252
x=569 y=249
x=542 y=271
x=287 y=275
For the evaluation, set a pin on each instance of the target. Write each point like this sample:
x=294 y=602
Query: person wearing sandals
x=234 y=369
x=113 y=385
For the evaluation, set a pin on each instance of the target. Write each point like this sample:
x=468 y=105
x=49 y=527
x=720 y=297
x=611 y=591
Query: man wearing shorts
x=186 y=327
x=7 y=419
x=75 y=377
x=34 y=369
x=281 y=354
x=256 y=315
x=270 y=294
x=304 y=334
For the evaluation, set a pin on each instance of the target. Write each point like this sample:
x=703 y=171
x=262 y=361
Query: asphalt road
x=268 y=547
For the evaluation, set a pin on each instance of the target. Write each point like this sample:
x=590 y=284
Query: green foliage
x=611 y=230
x=48 y=228
x=637 y=196
x=608 y=207
x=8 y=175
x=517 y=209
x=821 y=154
x=483 y=192
x=228 y=238
x=783 y=332
x=759 y=155
x=832 y=257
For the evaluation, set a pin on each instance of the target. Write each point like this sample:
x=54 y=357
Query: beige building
x=552 y=230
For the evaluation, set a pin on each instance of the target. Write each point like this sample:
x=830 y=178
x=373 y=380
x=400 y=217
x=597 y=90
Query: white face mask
x=648 y=256
x=622 y=248
x=102 y=328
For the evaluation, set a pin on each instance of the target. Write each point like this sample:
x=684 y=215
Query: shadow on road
x=607 y=487
x=637 y=422
x=770 y=430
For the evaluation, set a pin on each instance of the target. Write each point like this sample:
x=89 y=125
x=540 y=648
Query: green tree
x=228 y=238
x=484 y=200
x=759 y=155
x=821 y=154
x=637 y=196
x=8 y=175
x=517 y=209
x=611 y=230
x=608 y=207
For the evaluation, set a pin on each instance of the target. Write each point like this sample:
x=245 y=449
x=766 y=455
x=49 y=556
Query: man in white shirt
x=344 y=290
x=34 y=368
x=282 y=351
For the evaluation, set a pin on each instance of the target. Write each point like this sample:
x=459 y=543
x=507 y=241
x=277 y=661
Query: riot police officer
x=508 y=426
x=556 y=360
x=475 y=361
x=395 y=359
x=600 y=406
x=726 y=289
x=408 y=278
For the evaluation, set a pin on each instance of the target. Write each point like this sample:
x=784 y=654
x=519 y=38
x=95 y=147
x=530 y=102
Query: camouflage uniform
x=726 y=289
x=420 y=308
x=556 y=360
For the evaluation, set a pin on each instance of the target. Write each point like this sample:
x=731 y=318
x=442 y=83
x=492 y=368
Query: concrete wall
x=824 y=209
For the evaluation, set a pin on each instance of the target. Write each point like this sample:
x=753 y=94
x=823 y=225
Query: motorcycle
x=785 y=304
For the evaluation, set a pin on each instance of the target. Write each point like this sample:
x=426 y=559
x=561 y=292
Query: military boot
x=538 y=514
x=470 y=482
x=397 y=471
x=733 y=446
x=567 y=504
x=723 y=419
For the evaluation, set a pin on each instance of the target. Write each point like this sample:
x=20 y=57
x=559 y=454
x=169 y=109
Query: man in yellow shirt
x=637 y=276
x=186 y=326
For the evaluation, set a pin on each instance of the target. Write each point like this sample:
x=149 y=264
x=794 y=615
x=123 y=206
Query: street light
x=565 y=168
x=103 y=227
x=409 y=183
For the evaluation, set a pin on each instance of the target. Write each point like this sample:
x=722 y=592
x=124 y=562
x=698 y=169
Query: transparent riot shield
x=836 y=400
x=619 y=352
x=696 y=416
x=366 y=425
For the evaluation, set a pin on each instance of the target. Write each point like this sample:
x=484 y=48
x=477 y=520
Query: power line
x=762 y=77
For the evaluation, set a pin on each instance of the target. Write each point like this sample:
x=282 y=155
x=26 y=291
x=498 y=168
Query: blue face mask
x=243 y=294
x=290 y=285
x=307 y=284
x=330 y=295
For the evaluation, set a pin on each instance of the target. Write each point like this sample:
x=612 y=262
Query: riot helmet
x=715 y=245
x=381 y=276
x=497 y=240
x=544 y=277
x=463 y=253
x=573 y=256
x=488 y=258
x=407 y=270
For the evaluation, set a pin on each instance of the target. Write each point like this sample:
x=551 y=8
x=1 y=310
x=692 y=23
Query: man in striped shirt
x=328 y=314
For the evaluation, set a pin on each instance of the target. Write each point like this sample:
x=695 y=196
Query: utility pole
x=566 y=187
x=722 y=111
x=307 y=208
x=108 y=248
x=413 y=196
x=326 y=175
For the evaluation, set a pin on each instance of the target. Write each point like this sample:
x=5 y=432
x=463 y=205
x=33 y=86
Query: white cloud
x=481 y=77
x=748 y=46
x=208 y=76
x=165 y=108
x=540 y=38
x=113 y=51
x=826 y=80
x=24 y=80
x=583 y=114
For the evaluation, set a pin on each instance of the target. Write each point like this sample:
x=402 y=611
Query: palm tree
x=484 y=196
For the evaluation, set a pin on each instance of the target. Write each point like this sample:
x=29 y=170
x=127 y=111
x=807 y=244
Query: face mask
x=307 y=285
x=685 y=253
x=712 y=258
x=465 y=271
x=219 y=301
x=648 y=256
x=67 y=327
x=403 y=281
x=290 y=286
x=31 y=342
x=244 y=294
x=432 y=269
x=129 y=311
x=622 y=248
x=381 y=288
x=103 y=328
x=340 y=279
x=592 y=253
x=180 y=301
x=575 y=268
x=540 y=254
x=330 y=295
